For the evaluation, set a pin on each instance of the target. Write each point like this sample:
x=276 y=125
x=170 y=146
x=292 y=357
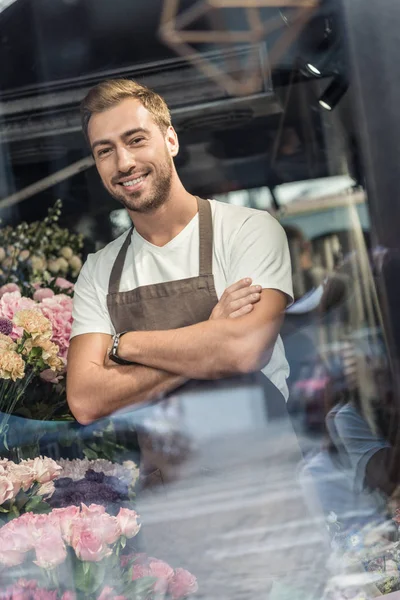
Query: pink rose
x=106 y=526
x=6 y=489
x=163 y=573
x=42 y=293
x=45 y=469
x=92 y=510
x=182 y=584
x=15 y=541
x=127 y=520
x=65 y=517
x=139 y=571
x=50 y=548
x=11 y=558
x=87 y=544
x=64 y=284
x=21 y=475
x=8 y=288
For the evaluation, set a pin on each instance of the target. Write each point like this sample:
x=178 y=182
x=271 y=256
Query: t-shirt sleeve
x=90 y=313
x=260 y=250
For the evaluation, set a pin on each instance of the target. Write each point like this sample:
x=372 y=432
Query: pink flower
x=68 y=596
x=10 y=304
x=21 y=475
x=64 y=284
x=6 y=489
x=139 y=571
x=45 y=469
x=65 y=517
x=92 y=510
x=88 y=545
x=106 y=526
x=127 y=520
x=15 y=540
x=163 y=573
x=50 y=548
x=182 y=584
x=58 y=310
x=8 y=288
x=42 y=293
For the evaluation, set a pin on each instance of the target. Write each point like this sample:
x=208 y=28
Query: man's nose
x=125 y=160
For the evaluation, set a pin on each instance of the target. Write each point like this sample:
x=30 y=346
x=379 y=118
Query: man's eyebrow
x=124 y=135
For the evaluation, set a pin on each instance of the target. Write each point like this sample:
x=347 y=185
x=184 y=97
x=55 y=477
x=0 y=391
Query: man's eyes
x=103 y=151
x=133 y=142
x=136 y=140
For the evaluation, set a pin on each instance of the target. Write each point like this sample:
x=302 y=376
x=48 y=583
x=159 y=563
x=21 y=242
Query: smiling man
x=172 y=299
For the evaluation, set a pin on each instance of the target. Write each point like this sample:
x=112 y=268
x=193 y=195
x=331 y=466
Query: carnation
x=49 y=351
x=12 y=365
x=33 y=322
x=10 y=304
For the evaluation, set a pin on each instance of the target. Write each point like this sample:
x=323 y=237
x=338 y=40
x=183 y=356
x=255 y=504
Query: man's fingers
x=245 y=293
x=242 y=284
x=244 y=310
x=237 y=304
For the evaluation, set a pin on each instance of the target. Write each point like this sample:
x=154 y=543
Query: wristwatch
x=113 y=355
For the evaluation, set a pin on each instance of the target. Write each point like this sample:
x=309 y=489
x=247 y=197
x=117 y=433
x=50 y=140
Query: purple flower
x=6 y=326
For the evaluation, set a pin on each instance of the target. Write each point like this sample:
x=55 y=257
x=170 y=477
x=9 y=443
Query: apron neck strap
x=205 y=249
x=205 y=236
x=118 y=267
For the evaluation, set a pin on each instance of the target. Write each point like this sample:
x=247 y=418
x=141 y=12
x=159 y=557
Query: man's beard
x=138 y=203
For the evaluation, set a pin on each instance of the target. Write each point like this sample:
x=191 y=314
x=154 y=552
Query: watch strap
x=113 y=355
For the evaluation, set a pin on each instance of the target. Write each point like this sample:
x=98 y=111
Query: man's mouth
x=135 y=181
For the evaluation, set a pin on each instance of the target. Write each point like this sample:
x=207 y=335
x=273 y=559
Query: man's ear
x=172 y=141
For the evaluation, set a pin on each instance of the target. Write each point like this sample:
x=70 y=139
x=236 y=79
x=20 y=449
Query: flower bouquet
x=78 y=552
x=39 y=251
x=26 y=351
x=41 y=484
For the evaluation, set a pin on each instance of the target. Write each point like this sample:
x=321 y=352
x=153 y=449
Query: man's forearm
x=115 y=387
x=206 y=350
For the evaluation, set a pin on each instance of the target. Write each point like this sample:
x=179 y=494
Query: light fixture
x=334 y=92
x=313 y=70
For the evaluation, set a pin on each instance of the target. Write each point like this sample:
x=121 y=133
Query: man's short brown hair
x=108 y=94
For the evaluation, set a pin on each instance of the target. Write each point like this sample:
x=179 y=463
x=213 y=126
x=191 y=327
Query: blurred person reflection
x=300 y=334
x=352 y=473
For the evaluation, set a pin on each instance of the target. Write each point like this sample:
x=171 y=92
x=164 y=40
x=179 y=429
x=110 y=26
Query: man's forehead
x=114 y=122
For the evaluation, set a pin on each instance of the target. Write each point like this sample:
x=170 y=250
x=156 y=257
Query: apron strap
x=205 y=249
x=116 y=272
x=205 y=236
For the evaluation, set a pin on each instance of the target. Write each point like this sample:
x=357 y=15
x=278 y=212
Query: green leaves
x=89 y=576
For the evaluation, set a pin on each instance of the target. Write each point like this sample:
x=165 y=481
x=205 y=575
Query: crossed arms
x=238 y=338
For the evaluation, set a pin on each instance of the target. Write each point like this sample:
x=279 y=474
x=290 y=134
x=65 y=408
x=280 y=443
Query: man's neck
x=165 y=223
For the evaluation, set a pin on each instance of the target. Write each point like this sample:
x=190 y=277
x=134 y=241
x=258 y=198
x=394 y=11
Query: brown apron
x=175 y=304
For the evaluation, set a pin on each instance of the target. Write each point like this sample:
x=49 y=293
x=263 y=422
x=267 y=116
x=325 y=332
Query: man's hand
x=237 y=300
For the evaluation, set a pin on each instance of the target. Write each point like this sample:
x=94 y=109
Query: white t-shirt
x=247 y=243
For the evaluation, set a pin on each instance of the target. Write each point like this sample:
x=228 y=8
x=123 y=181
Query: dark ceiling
x=52 y=50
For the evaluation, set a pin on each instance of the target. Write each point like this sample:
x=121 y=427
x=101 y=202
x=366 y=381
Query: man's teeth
x=134 y=181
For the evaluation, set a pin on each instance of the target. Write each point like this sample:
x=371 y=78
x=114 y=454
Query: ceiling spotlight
x=334 y=92
x=313 y=70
